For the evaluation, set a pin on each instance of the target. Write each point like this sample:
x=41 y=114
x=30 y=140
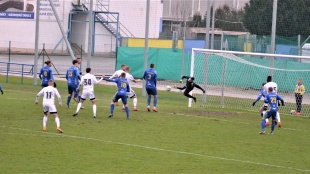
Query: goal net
x=234 y=79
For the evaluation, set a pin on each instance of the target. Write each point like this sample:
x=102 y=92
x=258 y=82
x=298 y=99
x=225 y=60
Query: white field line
x=158 y=149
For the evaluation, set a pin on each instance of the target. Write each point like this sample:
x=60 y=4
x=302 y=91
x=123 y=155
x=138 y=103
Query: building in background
x=17 y=21
x=177 y=11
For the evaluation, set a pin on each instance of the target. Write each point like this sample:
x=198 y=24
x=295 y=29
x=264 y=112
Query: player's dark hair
x=193 y=78
x=88 y=70
x=263 y=84
x=78 y=58
x=48 y=62
x=152 y=65
x=74 y=62
x=123 y=75
x=269 y=78
x=270 y=89
x=123 y=65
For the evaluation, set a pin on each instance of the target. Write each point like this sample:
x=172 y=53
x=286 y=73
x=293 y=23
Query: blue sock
x=149 y=100
x=155 y=101
x=75 y=94
x=127 y=112
x=0 y=88
x=68 y=100
x=263 y=124
x=79 y=98
x=273 y=124
x=112 y=109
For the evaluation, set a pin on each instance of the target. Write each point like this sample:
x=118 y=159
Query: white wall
x=104 y=40
x=132 y=14
x=21 y=32
x=79 y=30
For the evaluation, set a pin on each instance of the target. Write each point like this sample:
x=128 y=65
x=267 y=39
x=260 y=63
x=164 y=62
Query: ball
x=293 y=112
x=168 y=88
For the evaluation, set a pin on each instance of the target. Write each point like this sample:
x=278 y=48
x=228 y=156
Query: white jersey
x=49 y=93
x=129 y=79
x=268 y=85
x=117 y=74
x=88 y=81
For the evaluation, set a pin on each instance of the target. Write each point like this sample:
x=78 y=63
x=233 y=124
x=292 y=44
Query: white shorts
x=131 y=94
x=49 y=107
x=89 y=94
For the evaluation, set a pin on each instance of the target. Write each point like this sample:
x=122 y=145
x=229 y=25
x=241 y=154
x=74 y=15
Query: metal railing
x=16 y=69
x=123 y=31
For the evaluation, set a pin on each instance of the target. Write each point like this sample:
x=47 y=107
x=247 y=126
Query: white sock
x=57 y=121
x=44 y=120
x=78 y=107
x=278 y=117
x=119 y=100
x=267 y=120
x=94 y=109
x=135 y=101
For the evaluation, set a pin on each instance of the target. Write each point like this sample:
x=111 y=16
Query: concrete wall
x=104 y=40
x=132 y=14
x=21 y=32
x=79 y=34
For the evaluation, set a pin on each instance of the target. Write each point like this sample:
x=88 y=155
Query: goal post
x=234 y=79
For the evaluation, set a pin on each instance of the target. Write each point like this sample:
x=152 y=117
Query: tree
x=197 y=21
x=292 y=17
x=229 y=19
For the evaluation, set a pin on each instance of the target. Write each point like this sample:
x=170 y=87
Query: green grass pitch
x=177 y=139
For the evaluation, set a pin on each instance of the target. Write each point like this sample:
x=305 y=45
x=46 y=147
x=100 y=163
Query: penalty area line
x=158 y=149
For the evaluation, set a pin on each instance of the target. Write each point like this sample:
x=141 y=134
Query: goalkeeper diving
x=190 y=85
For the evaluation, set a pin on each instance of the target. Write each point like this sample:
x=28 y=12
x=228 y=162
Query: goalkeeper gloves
x=282 y=103
x=181 y=81
x=253 y=103
x=55 y=85
x=203 y=91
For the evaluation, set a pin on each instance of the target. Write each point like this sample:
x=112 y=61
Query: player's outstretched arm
x=109 y=80
x=185 y=77
x=180 y=88
x=261 y=93
x=97 y=81
x=136 y=80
